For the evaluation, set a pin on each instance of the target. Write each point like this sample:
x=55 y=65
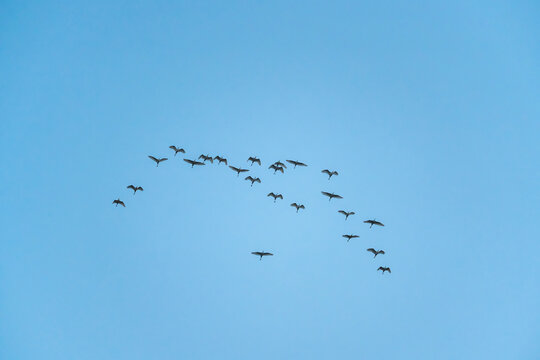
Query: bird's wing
x=302 y=207
x=351 y=213
x=271 y=194
x=378 y=223
x=345 y=236
x=354 y=236
x=202 y=156
x=163 y=159
x=153 y=158
x=198 y=163
x=300 y=163
x=182 y=151
x=189 y=161
x=258 y=180
x=380 y=268
x=267 y=254
x=140 y=188
x=248 y=178
x=258 y=161
x=256 y=253
x=272 y=166
x=232 y=167
x=172 y=147
x=371 y=250
x=367 y=221
x=280 y=196
x=388 y=269
x=294 y=204
x=131 y=187
x=122 y=203
x=338 y=196
x=292 y=162
x=335 y=173
x=342 y=212
x=281 y=169
x=325 y=171
x=326 y=193
x=243 y=170
x=381 y=252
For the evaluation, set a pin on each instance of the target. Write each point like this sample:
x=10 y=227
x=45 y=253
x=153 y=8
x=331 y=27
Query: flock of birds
x=277 y=166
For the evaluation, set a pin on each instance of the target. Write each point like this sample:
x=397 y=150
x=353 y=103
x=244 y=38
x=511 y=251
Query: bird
x=275 y=196
x=206 y=157
x=331 y=195
x=330 y=173
x=347 y=214
x=254 y=159
x=298 y=206
x=373 y=222
x=177 y=150
x=193 y=162
x=384 y=269
x=250 y=178
x=261 y=254
x=238 y=170
x=118 y=202
x=220 y=160
x=157 y=160
x=279 y=163
x=296 y=163
x=135 y=188
x=349 y=237
x=375 y=252
x=276 y=168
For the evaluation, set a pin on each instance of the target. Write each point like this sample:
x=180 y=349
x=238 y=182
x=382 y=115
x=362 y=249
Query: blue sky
x=428 y=110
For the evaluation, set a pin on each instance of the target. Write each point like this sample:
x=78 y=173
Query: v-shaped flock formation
x=277 y=166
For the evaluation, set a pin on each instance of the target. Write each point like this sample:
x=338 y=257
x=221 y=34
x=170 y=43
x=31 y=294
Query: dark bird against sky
x=157 y=160
x=252 y=179
x=238 y=170
x=276 y=168
x=296 y=163
x=331 y=195
x=373 y=222
x=135 y=188
x=193 y=162
x=206 y=158
x=375 y=252
x=220 y=159
x=349 y=237
x=347 y=214
x=329 y=173
x=298 y=206
x=118 y=202
x=261 y=254
x=275 y=196
x=177 y=150
x=254 y=159
x=384 y=269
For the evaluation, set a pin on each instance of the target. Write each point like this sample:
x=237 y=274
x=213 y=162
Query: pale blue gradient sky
x=429 y=111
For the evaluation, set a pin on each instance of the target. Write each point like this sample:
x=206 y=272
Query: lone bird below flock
x=349 y=237
x=347 y=214
x=261 y=254
x=375 y=252
x=331 y=195
x=238 y=170
x=384 y=269
x=157 y=160
x=275 y=196
x=135 y=188
x=276 y=168
x=193 y=162
x=206 y=157
x=296 y=163
x=177 y=150
x=373 y=222
x=329 y=173
x=298 y=206
x=254 y=159
x=220 y=160
x=250 y=178
x=118 y=202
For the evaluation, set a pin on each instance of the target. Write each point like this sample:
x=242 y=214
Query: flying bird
x=118 y=202
x=384 y=269
x=298 y=206
x=331 y=195
x=296 y=163
x=276 y=168
x=275 y=196
x=238 y=170
x=220 y=160
x=193 y=162
x=373 y=222
x=250 y=178
x=349 y=237
x=177 y=150
x=347 y=214
x=279 y=163
x=375 y=252
x=157 y=160
x=329 y=173
x=254 y=159
x=135 y=188
x=261 y=254
x=206 y=157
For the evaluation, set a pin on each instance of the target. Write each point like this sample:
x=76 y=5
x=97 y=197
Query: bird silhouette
x=373 y=222
x=347 y=214
x=177 y=150
x=298 y=206
x=238 y=170
x=157 y=160
x=118 y=202
x=275 y=196
x=253 y=180
x=349 y=237
x=329 y=173
x=206 y=157
x=220 y=160
x=331 y=195
x=254 y=159
x=276 y=168
x=296 y=163
x=135 y=188
x=279 y=163
x=384 y=269
x=261 y=254
x=375 y=252
x=193 y=162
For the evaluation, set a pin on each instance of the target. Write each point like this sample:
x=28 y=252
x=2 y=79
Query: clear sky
x=429 y=111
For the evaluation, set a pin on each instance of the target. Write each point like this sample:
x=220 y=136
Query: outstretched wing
x=372 y=250
x=234 y=168
x=380 y=268
x=280 y=169
x=301 y=207
x=267 y=254
x=273 y=166
x=271 y=194
x=292 y=162
x=326 y=171
x=326 y=193
x=248 y=178
x=257 y=180
x=258 y=161
x=294 y=204
x=153 y=158
x=258 y=253
x=343 y=212
x=346 y=236
x=298 y=163
x=279 y=197
x=172 y=147
x=242 y=170
x=388 y=269
x=354 y=236
x=337 y=196
x=335 y=173
x=140 y=188
x=192 y=162
x=131 y=187
x=163 y=159
x=202 y=157
x=381 y=252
